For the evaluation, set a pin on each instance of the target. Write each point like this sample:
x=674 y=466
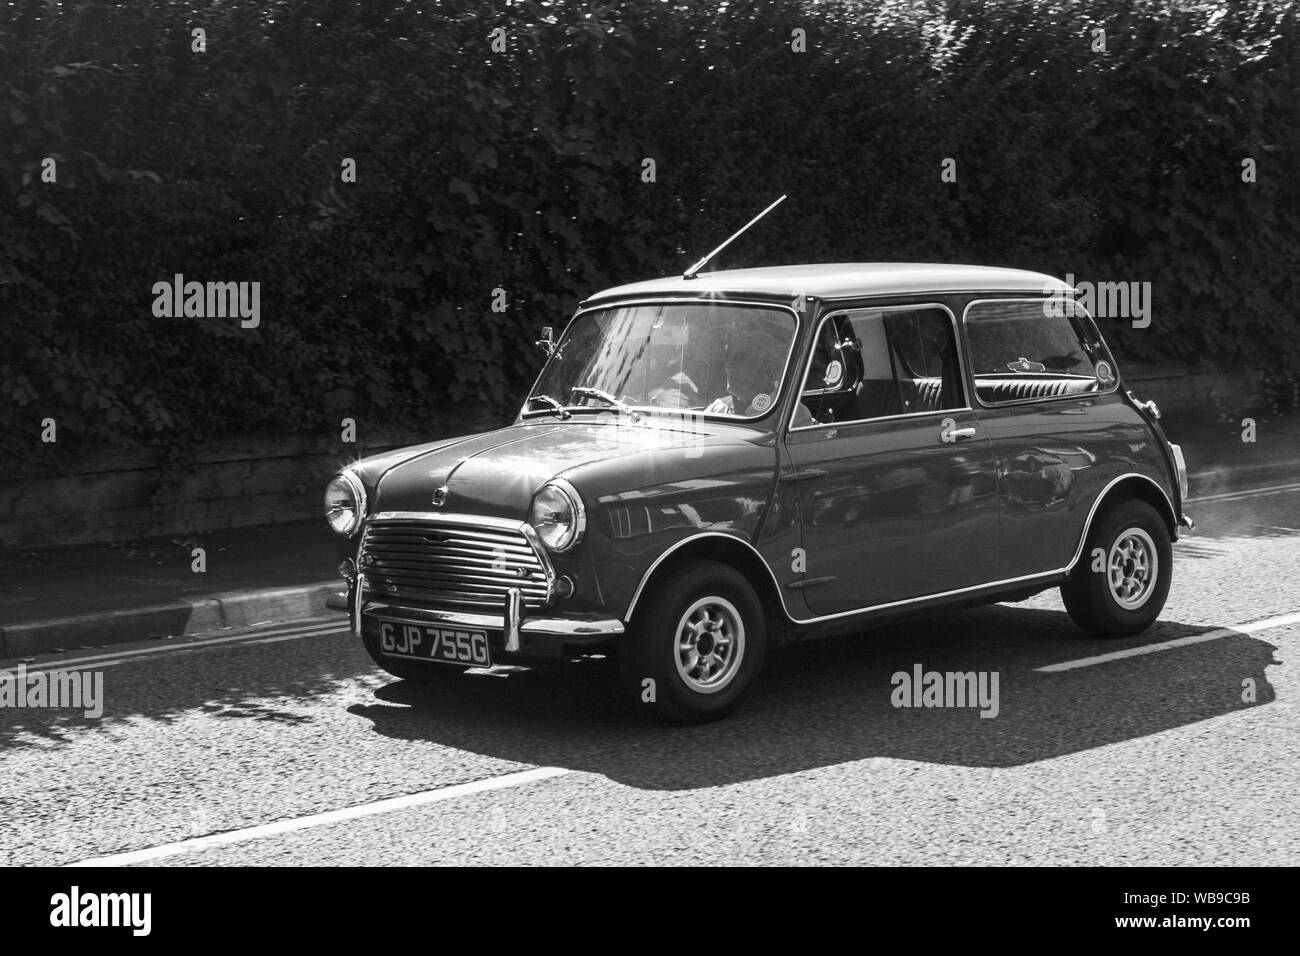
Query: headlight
x=345 y=502
x=557 y=515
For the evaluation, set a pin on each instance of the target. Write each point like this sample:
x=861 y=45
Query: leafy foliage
x=522 y=170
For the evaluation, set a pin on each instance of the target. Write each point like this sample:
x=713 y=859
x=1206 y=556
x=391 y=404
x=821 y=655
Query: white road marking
x=314 y=630
x=325 y=819
x=1264 y=625
x=288 y=637
x=81 y=667
x=1253 y=493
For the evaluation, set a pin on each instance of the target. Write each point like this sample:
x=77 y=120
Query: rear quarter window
x=1023 y=349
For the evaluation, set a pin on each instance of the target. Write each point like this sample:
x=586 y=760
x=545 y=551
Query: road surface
x=284 y=745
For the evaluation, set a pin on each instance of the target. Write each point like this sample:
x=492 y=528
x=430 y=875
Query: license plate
x=428 y=642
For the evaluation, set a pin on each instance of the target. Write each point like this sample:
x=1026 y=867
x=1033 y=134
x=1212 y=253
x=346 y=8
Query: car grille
x=434 y=563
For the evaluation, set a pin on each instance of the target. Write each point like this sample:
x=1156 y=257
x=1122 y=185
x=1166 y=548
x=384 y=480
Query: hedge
x=524 y=170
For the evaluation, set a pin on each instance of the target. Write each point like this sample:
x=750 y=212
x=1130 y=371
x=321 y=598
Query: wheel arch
x=723 y=548
x=1127 y=487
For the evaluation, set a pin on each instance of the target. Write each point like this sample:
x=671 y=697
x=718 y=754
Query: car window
x=826 y=371
x=874 y=363
x=710 y=357
x=1031 y=348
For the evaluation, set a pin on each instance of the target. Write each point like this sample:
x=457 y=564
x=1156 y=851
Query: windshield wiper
x=552 y=404
x=604 y=396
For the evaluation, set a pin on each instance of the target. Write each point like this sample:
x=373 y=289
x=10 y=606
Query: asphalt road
x=284 y=745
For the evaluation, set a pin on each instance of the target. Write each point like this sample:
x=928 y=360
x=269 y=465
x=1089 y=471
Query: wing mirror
x=547 y=342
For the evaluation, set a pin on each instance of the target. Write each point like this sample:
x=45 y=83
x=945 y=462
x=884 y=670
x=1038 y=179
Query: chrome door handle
x=949 y=432
x=806 y=475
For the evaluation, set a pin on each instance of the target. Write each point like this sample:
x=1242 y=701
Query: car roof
x=839 y=280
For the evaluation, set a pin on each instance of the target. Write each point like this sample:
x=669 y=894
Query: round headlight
x=557 y=516
x=345 y=502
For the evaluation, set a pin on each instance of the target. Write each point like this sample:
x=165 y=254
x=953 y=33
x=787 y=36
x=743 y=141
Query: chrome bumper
x=511 y=622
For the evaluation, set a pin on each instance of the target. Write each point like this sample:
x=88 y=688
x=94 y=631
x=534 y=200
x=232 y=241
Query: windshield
x=707 y=357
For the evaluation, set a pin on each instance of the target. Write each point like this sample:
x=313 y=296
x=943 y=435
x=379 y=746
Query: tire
x=661 y=667
x=1136 y=560
x=415 y=671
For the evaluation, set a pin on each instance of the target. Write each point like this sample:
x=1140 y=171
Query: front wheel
x=1122 y=579
x=695 y=651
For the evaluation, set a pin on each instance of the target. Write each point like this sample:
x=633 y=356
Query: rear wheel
x=1122 y=579
x=695 y=651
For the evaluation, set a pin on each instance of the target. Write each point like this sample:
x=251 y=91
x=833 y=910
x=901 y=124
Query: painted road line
x=80 y=667
x=1214 y=635
x=325 y=819
x=289 y=637
x=315 y=630
x=1252 y=493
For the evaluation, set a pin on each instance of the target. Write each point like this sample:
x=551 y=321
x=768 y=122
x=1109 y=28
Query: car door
x=894 y=472
x=1047 y=392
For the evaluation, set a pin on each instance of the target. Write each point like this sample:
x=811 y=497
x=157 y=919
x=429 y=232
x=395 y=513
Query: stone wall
x=229 y=484
x=258 y=481
x=1194 y=393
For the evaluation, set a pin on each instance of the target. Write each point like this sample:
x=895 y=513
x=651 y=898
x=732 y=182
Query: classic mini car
x=712 y=464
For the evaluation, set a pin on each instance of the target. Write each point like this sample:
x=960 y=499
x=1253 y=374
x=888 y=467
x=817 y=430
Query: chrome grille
x=444 y=562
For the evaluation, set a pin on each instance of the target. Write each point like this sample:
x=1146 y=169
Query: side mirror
x=547 y=341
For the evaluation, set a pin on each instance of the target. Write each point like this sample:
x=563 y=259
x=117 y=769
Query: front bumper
x=512 y=632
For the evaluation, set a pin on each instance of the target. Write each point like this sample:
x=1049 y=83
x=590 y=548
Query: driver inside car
x=753 y=362
x=677 y=391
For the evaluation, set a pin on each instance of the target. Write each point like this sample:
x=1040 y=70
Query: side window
x=1032 y=348
x=875 y=363
x=823 y=371
x=833 y=371
x=927 y=357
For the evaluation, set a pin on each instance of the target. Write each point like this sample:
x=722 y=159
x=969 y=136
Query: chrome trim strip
x=584 y=626
x=359 y=490
x=863 y=296
x=579 y=513
x=906 y=307
x=543 y=556
x=872 y=421
x=636 y=595
x=795 y=341
x=514 y=611
x=505 y=524
x=1180 y=466
x=1087 y=525
x=580 y=509
x=356 y=604
x=922 y=290
x=817 y=619
x=563 y=627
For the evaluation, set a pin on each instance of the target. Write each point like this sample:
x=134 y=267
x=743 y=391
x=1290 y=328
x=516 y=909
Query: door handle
x=949 y=432
x=806 y=475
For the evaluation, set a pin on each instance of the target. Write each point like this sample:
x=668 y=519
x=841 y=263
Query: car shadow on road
x=829 y=702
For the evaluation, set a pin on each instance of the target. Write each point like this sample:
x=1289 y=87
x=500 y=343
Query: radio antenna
x=693 y=270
